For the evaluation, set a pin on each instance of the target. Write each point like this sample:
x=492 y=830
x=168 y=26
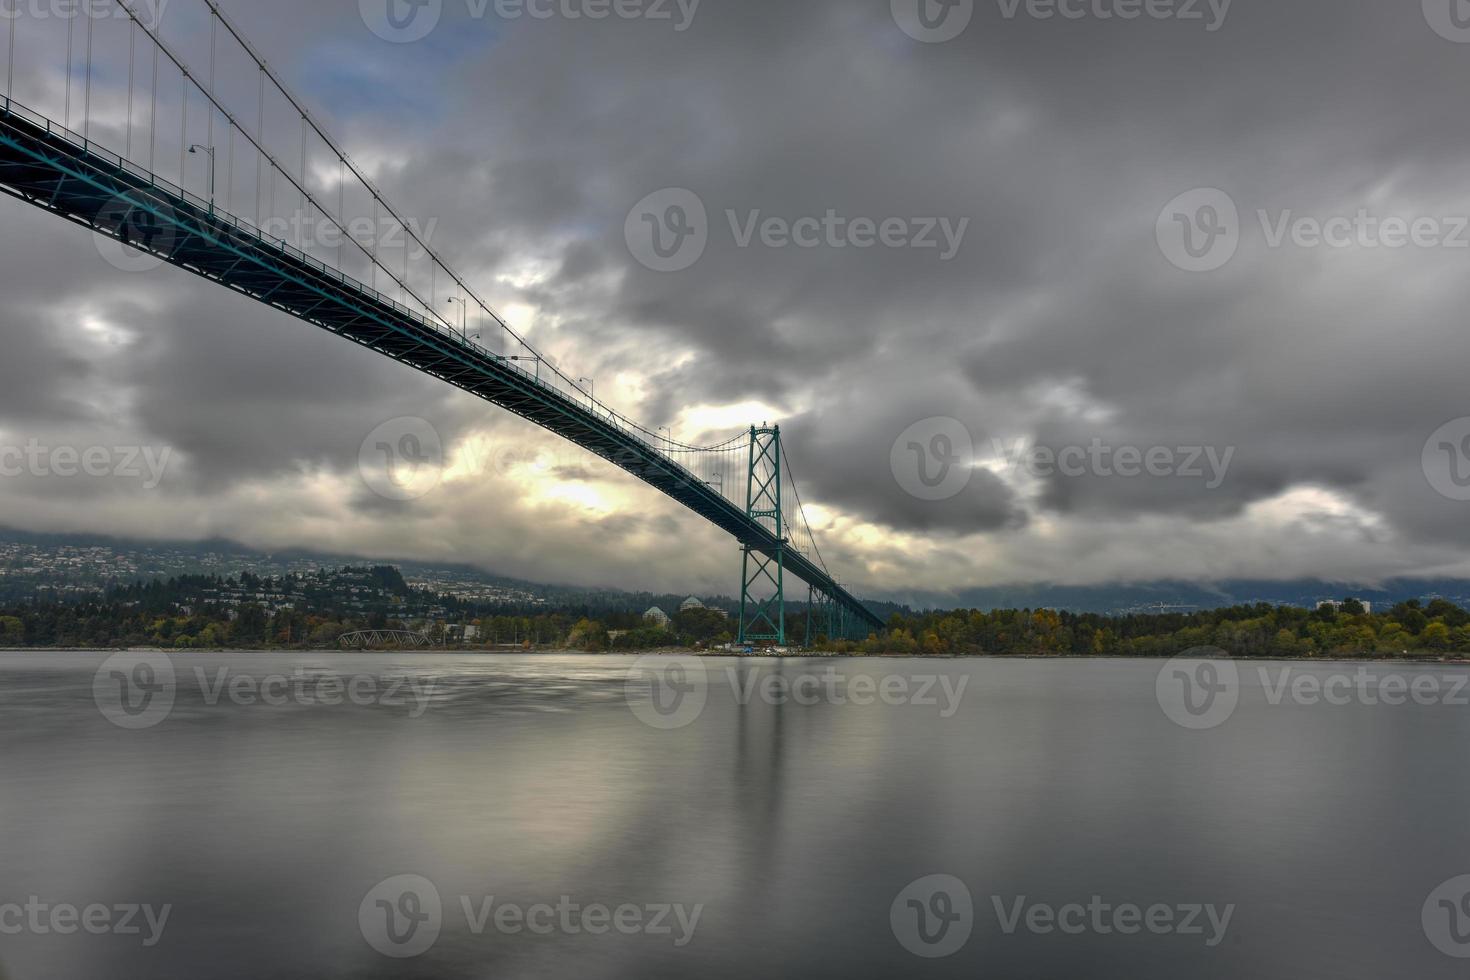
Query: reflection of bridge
x=378 y=639
x=315 y=247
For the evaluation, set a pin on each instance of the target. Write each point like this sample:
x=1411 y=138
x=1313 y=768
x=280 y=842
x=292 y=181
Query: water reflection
x=792 y=825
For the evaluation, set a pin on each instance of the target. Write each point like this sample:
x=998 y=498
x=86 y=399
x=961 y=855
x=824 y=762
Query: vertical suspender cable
x=153 y=115
x=260 y=150
x=213 y=26
x=10 y=60
x=132 y=57
x=87 y=98
x=71 y=24
x=183 y=124
x=230 y=171
x=305 y=201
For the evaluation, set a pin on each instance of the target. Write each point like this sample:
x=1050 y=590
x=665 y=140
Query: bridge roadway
x=48 y=166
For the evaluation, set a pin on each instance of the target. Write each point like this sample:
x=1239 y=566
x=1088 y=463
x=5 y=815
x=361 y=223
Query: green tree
x=1436 y=636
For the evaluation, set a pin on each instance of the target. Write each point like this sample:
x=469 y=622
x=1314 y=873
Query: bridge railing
x=551 y=380
x=268 y=153
x=207 y=216
x=263 y=150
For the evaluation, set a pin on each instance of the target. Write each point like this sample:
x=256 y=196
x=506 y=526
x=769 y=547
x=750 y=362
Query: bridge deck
x=52 y=168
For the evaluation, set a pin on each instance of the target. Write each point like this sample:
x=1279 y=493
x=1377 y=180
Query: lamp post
x=464 y=312
x=201 y=148
x=591 y=388
x=536 y=359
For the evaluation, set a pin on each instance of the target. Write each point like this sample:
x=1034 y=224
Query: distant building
x=690 y=603
x=1336 y=606
x=656 y=617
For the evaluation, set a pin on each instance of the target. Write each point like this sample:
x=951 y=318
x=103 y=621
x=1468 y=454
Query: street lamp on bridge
x=201 y=148
x=464 y=313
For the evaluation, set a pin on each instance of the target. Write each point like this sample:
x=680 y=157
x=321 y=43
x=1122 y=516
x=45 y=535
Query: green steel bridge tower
x=763 y=620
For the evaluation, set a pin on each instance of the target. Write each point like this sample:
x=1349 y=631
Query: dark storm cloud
x=1059 y=321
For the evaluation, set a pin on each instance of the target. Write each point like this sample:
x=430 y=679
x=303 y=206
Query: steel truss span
x=62 y=172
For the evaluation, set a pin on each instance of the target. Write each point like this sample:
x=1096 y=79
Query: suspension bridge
x=173 y=137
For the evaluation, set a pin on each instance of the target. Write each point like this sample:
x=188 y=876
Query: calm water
x=793 y=827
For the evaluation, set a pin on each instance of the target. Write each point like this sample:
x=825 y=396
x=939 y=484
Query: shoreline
x=1421 y=660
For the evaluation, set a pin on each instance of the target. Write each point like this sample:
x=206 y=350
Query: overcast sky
x=1289 y=392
